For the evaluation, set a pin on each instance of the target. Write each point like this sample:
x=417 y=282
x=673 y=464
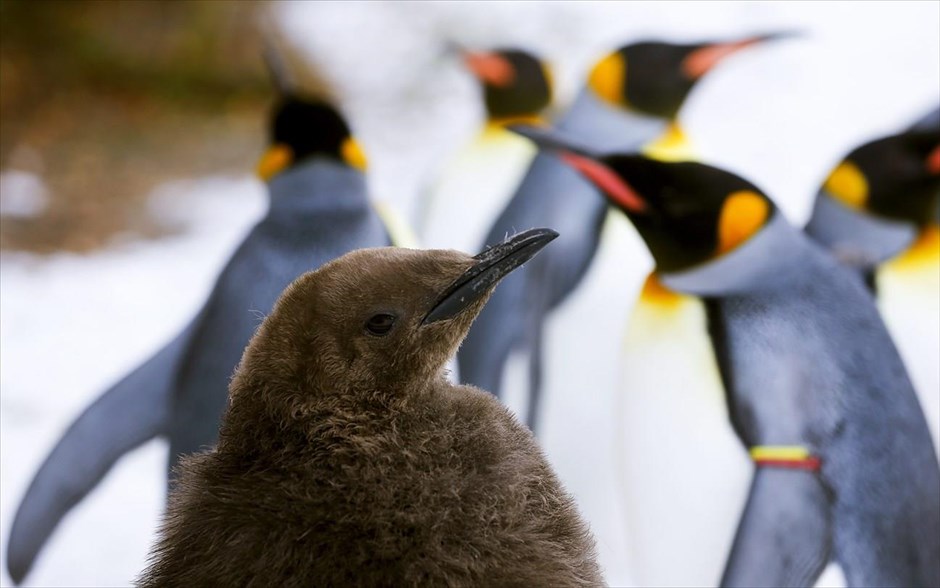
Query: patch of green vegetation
x=106 y=99
x=195 y=52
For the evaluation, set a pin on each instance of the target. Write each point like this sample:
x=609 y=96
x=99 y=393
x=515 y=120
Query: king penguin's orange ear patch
x=848 y=185
x=353 y=154
x=742 y=214
x=275 y=160
x=607 y=78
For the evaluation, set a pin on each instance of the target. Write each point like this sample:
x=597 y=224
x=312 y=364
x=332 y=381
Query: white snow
x=780 y=115
x=22 y=194
x=71 y=325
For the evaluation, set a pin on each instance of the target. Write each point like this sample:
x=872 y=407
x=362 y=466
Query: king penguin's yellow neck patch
x=398 y=230
x=672 y=145
x=501 y=122
x=654 y=292
x=925 y=250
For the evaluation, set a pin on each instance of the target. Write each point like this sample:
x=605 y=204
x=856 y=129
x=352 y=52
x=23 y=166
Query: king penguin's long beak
x=586 y=162
x=492 y=265
x=699 y=62
x=553 y=140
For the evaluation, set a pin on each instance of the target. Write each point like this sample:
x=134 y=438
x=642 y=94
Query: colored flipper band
x=794 y=457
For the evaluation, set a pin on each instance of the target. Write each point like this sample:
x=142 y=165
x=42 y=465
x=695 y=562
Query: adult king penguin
x=844 y=468
x=347 y=458
x=318 y=210
x=480 y=179
x=879 y=212
x=631 y=102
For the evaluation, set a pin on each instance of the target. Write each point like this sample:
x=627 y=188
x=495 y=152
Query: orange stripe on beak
x=933 y=161
x=491 y=68
x=605 y=179
x=701 y=61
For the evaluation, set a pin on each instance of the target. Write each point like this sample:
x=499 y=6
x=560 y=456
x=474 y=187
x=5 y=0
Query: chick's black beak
x=491 y=266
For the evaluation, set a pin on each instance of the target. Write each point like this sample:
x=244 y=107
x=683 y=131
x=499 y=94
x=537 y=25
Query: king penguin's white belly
x=473 y=190
x=909 y=301
x=685 y=473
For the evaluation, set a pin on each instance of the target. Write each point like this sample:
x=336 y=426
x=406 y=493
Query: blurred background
x=129 y=131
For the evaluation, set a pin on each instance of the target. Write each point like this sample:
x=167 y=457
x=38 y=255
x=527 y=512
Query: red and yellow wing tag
x=794 y=457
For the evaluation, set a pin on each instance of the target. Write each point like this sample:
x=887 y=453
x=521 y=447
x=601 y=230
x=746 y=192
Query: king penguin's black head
x=896 y=177
x=303 y=127
x=687 y=213
x=654 y=78
x=516 y=84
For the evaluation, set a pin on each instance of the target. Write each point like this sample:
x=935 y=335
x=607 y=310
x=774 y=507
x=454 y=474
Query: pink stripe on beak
x=604 y=178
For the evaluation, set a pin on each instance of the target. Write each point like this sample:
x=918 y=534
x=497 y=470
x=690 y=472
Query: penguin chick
x=346 y=458
x=630 y=102
x=816 y=390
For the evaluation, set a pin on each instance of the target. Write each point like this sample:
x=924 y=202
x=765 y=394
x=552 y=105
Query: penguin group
x=779 y=405
x=821 y=394
x=614 y=111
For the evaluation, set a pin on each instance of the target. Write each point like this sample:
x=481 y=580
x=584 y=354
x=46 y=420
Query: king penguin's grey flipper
x=784 y=537
x=132 y=412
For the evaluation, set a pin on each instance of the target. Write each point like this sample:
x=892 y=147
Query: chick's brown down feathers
x=348 y=459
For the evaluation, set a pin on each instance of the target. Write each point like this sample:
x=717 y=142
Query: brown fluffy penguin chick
x=346 y=457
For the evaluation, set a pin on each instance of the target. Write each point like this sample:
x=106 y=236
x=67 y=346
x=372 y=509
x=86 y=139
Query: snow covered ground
x=781 y=115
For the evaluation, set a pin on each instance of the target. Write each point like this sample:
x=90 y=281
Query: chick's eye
x=380 y=324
